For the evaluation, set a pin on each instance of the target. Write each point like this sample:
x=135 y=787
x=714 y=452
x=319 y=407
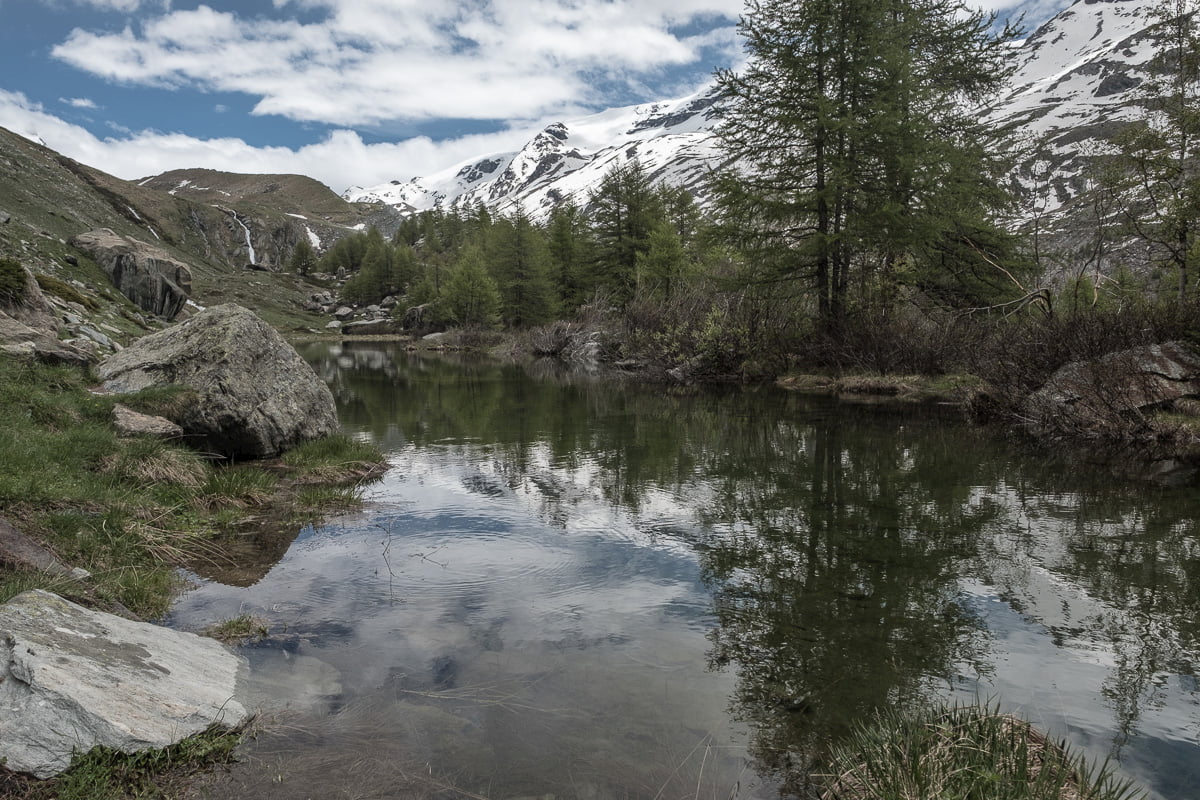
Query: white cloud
x=369 y=61
x=78 y=102
x=341 y=160
x=113 y=5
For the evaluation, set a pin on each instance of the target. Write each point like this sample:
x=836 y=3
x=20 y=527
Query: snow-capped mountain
x=1074 y=84
x=673 y=140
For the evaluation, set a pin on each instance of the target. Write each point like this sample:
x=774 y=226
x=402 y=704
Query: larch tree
x=856 y=139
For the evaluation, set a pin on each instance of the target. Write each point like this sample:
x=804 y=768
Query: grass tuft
x=963 y=752
x=335 y=459
x=238 y=629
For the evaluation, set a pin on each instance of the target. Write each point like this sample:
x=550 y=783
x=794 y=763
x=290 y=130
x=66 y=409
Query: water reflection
x=565 y=584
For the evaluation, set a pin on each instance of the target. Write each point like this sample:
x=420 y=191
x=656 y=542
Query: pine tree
x=855 y=139
x=303 y=259
x=568 y=237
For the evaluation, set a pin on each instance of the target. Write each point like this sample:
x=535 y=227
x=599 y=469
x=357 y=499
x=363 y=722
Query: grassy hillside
x=48 y=199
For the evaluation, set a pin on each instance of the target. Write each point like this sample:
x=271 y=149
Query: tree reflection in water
x=857 y=557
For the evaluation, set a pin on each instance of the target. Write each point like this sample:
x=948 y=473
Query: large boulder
x=1097 y=395
x=146 y=274
x=73 y=679
x=255 y=395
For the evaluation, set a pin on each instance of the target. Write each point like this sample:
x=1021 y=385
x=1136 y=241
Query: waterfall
x=249 y=246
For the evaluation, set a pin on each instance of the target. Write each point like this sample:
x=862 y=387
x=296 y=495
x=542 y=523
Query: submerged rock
x=73 y=679
x=256 y=396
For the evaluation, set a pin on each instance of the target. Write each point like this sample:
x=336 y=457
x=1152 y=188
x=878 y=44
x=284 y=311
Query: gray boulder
x=1091 y=396
x=20 y=340
x=256 y=396
x=73 y=679
x=369 y=327
x=146 y=274
x=134 y=423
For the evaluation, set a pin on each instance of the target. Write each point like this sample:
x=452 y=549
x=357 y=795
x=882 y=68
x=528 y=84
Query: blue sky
x=351 y=92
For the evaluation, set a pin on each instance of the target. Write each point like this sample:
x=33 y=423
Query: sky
x=350 y=92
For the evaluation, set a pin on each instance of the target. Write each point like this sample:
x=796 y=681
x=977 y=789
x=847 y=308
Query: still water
x=583 y=588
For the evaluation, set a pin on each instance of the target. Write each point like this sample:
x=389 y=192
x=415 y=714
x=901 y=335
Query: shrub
x=13 y=281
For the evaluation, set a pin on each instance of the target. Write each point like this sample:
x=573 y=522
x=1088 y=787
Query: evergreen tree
x=568 y=238
x=624 y=209
x=664 y=265
x=520 y=262
x=855 y=137
x=1158 y=154
x=470 y=295
x=304 y=259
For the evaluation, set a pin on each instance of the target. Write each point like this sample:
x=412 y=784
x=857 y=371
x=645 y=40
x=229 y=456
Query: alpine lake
x=578 y=586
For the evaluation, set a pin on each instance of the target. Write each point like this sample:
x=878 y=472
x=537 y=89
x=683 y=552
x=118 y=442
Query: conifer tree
x=856 y=138
x=470 y=295
x=520 y=262
x=624 y=209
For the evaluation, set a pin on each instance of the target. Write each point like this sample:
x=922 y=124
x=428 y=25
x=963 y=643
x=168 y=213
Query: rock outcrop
x=19 y=340
x=146 y=274
x=256 y=396
x=1091 y=396
x=73 y=679
x=30 y=306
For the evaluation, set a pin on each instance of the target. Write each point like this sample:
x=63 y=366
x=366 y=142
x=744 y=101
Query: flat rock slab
x=72 y=679
x=133 y=423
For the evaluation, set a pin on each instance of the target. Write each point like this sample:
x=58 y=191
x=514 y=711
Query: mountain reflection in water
x=591 y=588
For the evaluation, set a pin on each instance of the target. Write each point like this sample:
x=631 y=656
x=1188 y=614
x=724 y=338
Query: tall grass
x=963 y=753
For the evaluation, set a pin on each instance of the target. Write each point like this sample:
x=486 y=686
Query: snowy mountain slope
x=1073 y=88
x=673 y=140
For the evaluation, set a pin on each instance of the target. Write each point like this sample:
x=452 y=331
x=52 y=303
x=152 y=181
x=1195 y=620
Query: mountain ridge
x=1074 y=85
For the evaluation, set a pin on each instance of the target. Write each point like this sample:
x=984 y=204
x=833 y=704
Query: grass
x=65 y=291
x=238 y=629
x=336 y=459
x=105 y=774
x=962 y=753
x=130 y=510
x=912 y=388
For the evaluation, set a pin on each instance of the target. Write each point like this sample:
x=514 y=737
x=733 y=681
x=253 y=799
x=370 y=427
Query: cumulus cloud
x=366 y=61
x=78 y=102
x=341 y=160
